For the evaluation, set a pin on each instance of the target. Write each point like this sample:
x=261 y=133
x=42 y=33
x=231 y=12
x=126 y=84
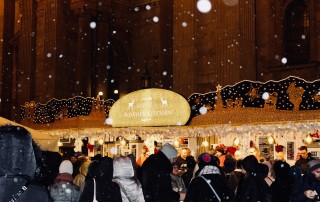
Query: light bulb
x=308 y=139
x=236 y=141
x=123 y=142
x=176 y=143
x=271 y=140
x=205 y=143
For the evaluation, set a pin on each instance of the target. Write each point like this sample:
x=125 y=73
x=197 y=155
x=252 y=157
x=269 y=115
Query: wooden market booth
x=286 y=110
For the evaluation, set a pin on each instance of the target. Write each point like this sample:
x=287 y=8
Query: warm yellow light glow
x=205 y=143
x=308 y=139
x=60 y=144
x=100 y=93
x=176 y=143
x=236 y=141
x=123 y=142
x=101 y=141
x=271 y=140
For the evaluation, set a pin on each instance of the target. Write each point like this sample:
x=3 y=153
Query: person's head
x=205 y=159
x=250 y=165
x=184 y=153
x=73 y=159
x=303 y=152
x=175 y=168
x=101 y=169
x=280 y=156
x=17 y=154
x=84 y=168
x=314 y=168
x=229 y=164
x=169 y=151
x=281 y=169
x=122 y=167
x=238 y=155
x=219 y=152
x=66 y=167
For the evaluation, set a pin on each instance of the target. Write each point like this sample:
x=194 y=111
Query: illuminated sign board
x=150 y=107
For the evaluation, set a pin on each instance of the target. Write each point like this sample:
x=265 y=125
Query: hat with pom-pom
x=66 y=167
x=205 y=159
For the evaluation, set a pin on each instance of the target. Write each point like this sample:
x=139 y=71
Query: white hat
x=169 y=151
x=66 y=167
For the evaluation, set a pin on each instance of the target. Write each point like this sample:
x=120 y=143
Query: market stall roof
x=45 y=141
x=291 y=102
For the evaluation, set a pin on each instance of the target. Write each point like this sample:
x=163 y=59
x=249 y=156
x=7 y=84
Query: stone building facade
x=65 y=48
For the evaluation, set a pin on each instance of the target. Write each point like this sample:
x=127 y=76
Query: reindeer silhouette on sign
x=130 y=104
x=164 y=102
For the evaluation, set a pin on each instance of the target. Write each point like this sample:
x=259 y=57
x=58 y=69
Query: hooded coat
x=106 y=190
x=18 y=166
x=123 y=174
x=156 y=179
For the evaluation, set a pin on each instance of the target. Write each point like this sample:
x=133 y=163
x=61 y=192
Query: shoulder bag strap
x=94 y=191
x=214 y=191
x=20 y=192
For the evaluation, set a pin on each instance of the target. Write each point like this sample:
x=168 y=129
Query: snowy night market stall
x=273 y=116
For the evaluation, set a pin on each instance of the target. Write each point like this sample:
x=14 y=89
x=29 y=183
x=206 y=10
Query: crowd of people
x=28 y=174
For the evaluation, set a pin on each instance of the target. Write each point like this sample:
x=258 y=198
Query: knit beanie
x=66 y=167
x=169 y=151
x=206 y=159
x=314 y=164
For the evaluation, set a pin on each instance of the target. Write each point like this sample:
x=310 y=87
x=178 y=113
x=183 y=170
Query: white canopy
x=45 y=141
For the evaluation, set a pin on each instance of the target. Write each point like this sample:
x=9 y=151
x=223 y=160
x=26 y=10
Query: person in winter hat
x=209 y=177
x=100 y=173
x=19 y=166
x=63 y=188
x=124 y=176
x=155 y=176
x=312 y=181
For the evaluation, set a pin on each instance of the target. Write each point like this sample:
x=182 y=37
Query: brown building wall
x=60 y=56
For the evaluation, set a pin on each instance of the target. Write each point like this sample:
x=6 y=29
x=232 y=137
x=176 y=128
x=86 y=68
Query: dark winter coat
x=106 y=190
x=18 y=165
x=252 y=189
x=309 y=182
x=303 y=163
x=156 y=179
x=200 y=191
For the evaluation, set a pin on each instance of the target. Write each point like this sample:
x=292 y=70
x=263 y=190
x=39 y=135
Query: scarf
x=209 y=170
x=65 y=177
